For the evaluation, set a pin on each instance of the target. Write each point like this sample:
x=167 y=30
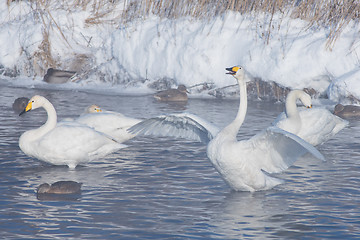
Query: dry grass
x=332 y=14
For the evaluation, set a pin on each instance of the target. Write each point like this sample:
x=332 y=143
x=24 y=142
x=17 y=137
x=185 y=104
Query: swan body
x=314 y=125
x=113 y=124
x=173 y=95
x=244 y=165
x=66 y=143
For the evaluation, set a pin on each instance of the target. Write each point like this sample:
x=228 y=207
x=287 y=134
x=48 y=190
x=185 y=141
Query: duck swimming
x=66 y=143
x=20 y=104
x=173 y=95
x=57 y=76
x=244 y=165
x=347 y=111
x=60 y=187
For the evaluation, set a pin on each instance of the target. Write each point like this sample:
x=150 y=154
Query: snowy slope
x=188 y=51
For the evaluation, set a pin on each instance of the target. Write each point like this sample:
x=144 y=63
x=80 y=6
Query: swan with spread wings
x=244 y=165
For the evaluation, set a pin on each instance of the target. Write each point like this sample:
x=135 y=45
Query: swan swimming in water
x=244 y=165
x=66 y=143
x=314 y=125
x=113 y=124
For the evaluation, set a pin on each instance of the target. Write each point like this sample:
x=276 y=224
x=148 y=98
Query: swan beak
x=98 y=110
x=309 y=106
x=232 y=70
x=28 y=108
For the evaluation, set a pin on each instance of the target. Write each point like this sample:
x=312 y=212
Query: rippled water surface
x=166 y=188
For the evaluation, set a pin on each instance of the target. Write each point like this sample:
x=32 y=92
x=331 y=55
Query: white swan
x=244 y=165
x=315 y=125
x=68 y=143
x=113 y=124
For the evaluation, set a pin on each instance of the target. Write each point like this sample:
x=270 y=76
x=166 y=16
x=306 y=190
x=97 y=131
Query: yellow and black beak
x=28 y=108
x=309 y=106
x=232 y=70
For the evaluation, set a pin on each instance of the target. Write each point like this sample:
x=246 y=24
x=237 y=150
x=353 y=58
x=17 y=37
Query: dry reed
x=332 y=14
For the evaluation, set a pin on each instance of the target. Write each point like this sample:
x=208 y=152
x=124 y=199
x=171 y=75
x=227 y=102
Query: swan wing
x=183 y=125
x=280 y=149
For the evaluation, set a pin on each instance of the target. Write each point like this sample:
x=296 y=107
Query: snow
x=127 y=57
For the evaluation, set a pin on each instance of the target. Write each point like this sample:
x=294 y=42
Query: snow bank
x=187 y=51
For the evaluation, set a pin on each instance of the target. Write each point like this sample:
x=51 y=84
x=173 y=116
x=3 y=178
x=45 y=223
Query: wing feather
x=283 y=147
x=183 y=125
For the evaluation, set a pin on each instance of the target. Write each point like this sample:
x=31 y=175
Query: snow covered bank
x=141 y=53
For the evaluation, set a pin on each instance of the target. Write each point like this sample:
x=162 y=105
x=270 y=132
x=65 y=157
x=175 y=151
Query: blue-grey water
x=165 y=188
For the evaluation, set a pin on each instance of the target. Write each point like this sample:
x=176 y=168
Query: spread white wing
x=185 y=125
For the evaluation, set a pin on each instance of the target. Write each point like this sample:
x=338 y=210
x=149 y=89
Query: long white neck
x=50 y=122
x=233 y=128
x=290 y=105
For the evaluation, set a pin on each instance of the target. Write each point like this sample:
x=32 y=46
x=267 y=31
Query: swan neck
x=234 y=127
x=290 y=105
x=51 y=119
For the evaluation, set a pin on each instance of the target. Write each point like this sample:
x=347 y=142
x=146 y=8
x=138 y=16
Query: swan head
x=305 y=99
x=35 y=102
x=237 y=72
x=93 y=109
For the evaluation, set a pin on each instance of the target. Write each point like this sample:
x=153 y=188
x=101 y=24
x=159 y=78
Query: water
x=161 y=188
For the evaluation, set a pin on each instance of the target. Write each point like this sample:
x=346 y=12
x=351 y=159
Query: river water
x=165 y=188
